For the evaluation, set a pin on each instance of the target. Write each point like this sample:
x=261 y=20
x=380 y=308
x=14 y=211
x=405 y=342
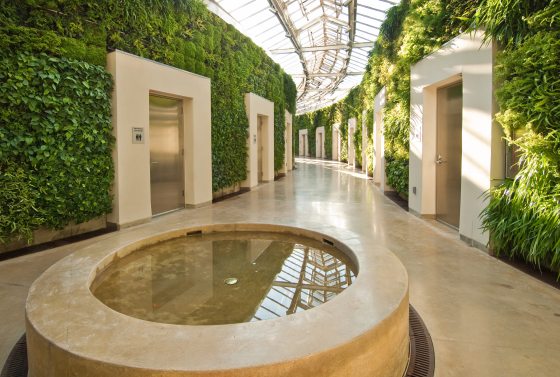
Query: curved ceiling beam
x=326 y=42
x=279 y=9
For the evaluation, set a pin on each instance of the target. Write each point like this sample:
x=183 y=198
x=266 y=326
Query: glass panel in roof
x=305 y=31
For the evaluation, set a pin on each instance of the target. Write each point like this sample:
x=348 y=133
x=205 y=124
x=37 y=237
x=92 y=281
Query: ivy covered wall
x=523 y=216
x=180 y=33
x=55 y=143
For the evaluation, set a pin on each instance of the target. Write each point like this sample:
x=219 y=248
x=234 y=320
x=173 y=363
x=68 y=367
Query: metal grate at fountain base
x=421 y=361
x=16 y=364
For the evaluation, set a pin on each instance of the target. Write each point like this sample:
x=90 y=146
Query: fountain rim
x=360 y=310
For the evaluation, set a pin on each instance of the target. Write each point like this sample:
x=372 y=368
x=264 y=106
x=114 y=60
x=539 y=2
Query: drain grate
x=421 y=360
x=16 y=364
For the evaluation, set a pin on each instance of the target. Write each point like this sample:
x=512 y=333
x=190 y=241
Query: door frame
x=458 y=81
x=261 y=122
x=258 y=106
x=182 y=167
x=482 y=165
x=303 y=147
x=135 y=78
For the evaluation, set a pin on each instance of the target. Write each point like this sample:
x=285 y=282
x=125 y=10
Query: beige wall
x=303 y=147
x=135 y=79
x=256 y=106
x=288 y=144
x=482 y=147
x=320 y=148
x=336 y=142
x=351 y=149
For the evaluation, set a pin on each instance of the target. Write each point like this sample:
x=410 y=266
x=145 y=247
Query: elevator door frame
x=303 y=142
x=181 y=160
x=260 y=147
x=443 y=162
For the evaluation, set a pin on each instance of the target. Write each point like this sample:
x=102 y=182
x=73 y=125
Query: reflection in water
x=182 y=281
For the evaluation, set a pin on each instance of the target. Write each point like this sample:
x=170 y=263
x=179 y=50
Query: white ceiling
x=322 y=44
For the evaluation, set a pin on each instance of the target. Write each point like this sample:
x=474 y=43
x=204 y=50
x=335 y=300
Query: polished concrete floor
x=485 y=317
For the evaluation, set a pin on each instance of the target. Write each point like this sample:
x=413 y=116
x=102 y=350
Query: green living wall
x=77 y=34
x=55 y=143
x=523 y=215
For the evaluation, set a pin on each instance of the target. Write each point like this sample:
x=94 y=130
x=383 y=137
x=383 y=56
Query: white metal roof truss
x=323 y=44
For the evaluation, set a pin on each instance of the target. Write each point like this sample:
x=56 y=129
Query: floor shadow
x=543 y=274
x=395 y=197
x=57 y=243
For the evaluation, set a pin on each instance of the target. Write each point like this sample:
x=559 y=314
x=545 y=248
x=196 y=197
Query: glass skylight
x=322 y=44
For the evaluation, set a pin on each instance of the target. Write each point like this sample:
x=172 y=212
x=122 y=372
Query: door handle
x=155 y=162
x=440 y=160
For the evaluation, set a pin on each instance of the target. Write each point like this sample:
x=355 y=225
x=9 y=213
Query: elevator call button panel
x=137 y=135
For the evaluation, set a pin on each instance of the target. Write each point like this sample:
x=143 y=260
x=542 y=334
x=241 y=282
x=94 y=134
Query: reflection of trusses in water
x=309 y=277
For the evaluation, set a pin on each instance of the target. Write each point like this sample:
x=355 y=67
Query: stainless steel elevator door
x=260 y=148
x=166 y=157
x=448 y=158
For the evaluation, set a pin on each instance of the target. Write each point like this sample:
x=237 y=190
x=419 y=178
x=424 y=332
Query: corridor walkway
x=485 y=317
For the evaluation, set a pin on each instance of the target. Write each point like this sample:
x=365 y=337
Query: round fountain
x=221 y=300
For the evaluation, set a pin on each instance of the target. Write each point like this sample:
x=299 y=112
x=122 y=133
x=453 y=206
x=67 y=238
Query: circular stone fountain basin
x=362 y=331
